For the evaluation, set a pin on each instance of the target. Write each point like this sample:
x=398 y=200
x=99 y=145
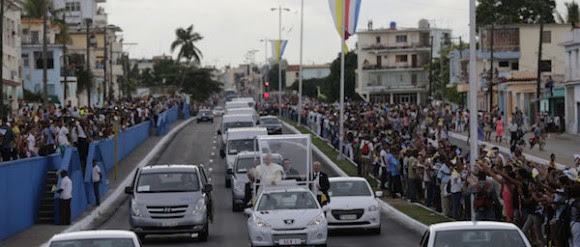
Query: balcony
x=117 y=69
x=380 y=48
x=376 y=68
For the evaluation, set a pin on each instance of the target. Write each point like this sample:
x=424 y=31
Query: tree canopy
x=515 y=11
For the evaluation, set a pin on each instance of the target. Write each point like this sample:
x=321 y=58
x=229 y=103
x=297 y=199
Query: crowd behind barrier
x=22 y=180
x=407 y=148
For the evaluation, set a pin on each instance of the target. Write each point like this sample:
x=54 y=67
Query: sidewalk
x=39 y=234
x=564 y=146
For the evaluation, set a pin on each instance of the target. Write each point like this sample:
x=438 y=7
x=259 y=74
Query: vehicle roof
x=340 y=179
x=241 y=109
x=268 y=117
x=234 y=116
x=473 y=225
x=93 y=235
x=246 y=130
x=252 y=154
x=169 y=167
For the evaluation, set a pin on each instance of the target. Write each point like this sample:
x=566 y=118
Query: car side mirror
x=248 y=211
x=129 y=190
x=219 y=132
x=230 y=171
x=207 y=188
x=378 y=194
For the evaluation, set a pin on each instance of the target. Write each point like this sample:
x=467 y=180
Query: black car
x=272 y=124
x=205 y=116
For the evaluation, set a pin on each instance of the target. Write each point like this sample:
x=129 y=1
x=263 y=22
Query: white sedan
x=469 y=233
x=287 y=216
x=95 y=238
x=353 y=205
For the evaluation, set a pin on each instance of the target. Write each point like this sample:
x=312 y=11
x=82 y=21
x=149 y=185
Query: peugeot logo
x=288 y=222
x=167 y=210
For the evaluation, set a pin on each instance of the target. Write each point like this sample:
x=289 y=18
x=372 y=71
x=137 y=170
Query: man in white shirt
x=65 y=192
x=270 y=173
x=62 y=138
x=383 y=162
x=97 y=178
x=31 y=143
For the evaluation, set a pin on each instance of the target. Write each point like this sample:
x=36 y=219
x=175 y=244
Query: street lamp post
x=472 y=86
x=301 y=53
x=280 y=57
x=264 y=77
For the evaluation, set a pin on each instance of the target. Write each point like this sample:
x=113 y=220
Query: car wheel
x=141 y=237
x=376 y=231
x=235 y=207
x=204 y=234
x=228 y=183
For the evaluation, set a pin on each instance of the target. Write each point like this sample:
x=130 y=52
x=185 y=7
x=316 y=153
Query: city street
x=199 y=144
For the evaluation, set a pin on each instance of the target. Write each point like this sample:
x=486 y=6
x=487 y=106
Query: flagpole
x=341 y=129
x=280 y=60
x=472 y=86
x=301 y=49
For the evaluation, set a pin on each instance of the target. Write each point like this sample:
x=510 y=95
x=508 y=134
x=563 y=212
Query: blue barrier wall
x=22 y=181
x=186 y=113
x=165 y=119
x=21 y=184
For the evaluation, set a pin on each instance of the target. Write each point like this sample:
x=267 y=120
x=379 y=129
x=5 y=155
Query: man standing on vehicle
x=270 y=173
x=320 y=184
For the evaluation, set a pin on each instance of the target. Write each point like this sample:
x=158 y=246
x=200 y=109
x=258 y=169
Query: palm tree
x=35 y=9
x=572 y=15
x=185 y=39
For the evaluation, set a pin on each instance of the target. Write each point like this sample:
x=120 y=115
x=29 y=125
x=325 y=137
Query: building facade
x=391 y=62
x=572 y=83
x=11 y=74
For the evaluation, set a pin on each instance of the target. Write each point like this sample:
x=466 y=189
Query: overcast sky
x=231 y=28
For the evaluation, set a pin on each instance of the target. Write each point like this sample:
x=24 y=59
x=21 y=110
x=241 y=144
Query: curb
x=385 y=207
x=85 y=223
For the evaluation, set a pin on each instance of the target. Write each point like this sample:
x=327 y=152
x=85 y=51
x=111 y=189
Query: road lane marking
x=212 y=153
x=210 y=161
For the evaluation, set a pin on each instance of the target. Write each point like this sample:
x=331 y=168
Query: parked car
x=470 y=233
x=170 y=199
x=105 y=238
x=272 y=124
x=205 y=116
x=353 y=205
x=218 y=111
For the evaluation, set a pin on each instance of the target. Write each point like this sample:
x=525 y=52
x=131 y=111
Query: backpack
x=482 y=200
x=366 y=149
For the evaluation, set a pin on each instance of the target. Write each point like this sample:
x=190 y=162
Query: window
x=504 y=64
x=401 y=38
x=25 y=60
x=39 y=61
x=414 y=79
x=73 y=7
x=516 y=66
x=546 y=66
x=547 y=37
x=378 y=39
x=34 y=37
x=401 y=58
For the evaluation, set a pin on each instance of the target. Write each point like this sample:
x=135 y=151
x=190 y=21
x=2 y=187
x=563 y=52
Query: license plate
x=291 y=241
x=169 y=224
x=348 y=217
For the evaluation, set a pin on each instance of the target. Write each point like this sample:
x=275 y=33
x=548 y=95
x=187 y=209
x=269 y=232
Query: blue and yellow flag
x=278 y=47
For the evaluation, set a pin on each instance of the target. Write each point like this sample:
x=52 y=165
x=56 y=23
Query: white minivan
x=236 y=104
x=245 y=110
x=247 y=100
x=239 y=140
x=231 y=121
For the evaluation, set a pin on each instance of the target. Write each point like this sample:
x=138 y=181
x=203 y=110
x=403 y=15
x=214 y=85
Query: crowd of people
x=407 y=148
x=37 y=130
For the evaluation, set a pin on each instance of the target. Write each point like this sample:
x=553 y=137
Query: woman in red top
x=498 y=129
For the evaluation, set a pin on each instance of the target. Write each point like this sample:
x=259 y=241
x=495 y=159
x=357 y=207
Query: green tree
x=185 y=39
x=199 y=84
x=273 y=78
x=572 y=14
x=84 y=77
x=331 y=86
x=309 y=87
x=514 y=11
x=35 y=9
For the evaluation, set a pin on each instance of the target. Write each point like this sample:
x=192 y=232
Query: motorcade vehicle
x=239 y=140
x=353 y=205
x=272 y=124
x=170 y=199
x=104 y=238
x=231 y=121
x=249 y=100
x=474 y=233
x=245 y=110
x=204 y=115
x=218 y=111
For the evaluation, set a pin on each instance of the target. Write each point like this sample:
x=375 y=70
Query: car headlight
x=373 y=208
x=136 y=209
x=199 y=206
x=318 y=220
x=259 y=222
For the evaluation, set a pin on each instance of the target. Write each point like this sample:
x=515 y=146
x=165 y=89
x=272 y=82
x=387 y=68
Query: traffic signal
x=266 y=84
x=266 y=95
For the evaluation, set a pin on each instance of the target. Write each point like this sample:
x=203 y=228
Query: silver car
x=170 y=199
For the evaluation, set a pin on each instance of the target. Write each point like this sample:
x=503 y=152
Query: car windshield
x=100 y=242
x=238 y=125
x=269 y=121
x=205 y=113
x=479 y=238
x=349 y=188
x=219 y=108
x=236 y=146
x=168 y=182
x=287 y=200
x=246 y=164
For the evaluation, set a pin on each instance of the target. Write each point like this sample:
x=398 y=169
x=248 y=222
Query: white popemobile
x=474 y=233
x=285 y=211
x=353 y=205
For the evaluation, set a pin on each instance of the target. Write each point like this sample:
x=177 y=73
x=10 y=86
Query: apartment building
x=391 y=62
x=572 y=82
x=11 y=74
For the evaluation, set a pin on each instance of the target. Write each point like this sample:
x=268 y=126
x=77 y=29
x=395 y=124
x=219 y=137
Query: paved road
x=198 y=143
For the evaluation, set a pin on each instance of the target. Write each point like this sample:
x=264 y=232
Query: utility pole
x=301 y=52
x=44 y=59
x=105 y=61
x=111 y=90
x=65 y=62
x=430 y=72
x=88 y=61
x=460 y=49
x=280 y=61
x=2 y=58
x=491 y=74
x=539 y=75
